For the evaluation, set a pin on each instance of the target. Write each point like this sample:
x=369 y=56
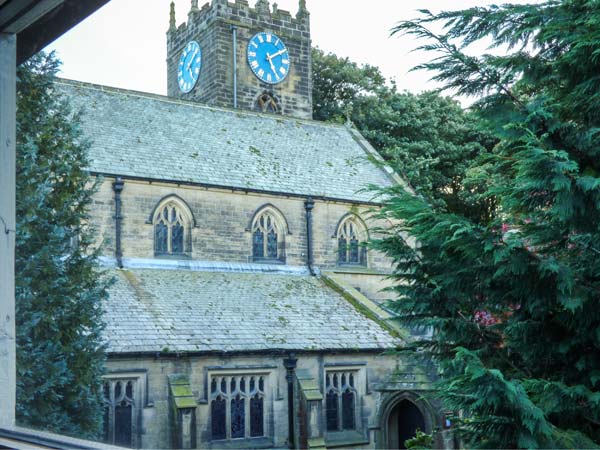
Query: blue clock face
x=188 y=71
x=268 y=58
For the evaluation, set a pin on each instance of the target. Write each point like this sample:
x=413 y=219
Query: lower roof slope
x=149 y=136
x=154 y=310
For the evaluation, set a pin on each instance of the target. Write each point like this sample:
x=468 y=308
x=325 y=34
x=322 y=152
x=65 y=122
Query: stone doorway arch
x=400 y=415
x=403 y=422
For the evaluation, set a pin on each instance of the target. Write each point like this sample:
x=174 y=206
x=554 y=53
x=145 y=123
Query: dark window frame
x=339 y=386
x=245 y=399
x=268 y=238
x=131 y=393
x=172 y=231
x=351 y=237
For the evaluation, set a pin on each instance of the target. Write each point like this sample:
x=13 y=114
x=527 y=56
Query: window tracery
x=121 y=397
x=237 y=406
x=267 y=237
x=172 y=225
x=340 y=400
x=351 y=239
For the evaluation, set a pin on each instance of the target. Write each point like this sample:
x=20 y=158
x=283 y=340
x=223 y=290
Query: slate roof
x=150 y=136
x=151 y=310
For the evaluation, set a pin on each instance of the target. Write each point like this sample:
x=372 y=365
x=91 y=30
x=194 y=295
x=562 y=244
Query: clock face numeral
x=268 y=58
x=188 y=70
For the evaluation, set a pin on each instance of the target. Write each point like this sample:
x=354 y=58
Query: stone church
x=246 y=310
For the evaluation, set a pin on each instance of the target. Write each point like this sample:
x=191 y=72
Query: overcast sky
x=124 y=43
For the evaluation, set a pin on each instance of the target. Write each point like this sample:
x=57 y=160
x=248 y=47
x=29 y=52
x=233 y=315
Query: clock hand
x=270 y=59
x=280 y=52
x=191 y=60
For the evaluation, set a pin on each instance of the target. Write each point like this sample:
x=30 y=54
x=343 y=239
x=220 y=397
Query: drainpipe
x=118 y=188
x=309 y=204
x=234 y=39
x=290 y=365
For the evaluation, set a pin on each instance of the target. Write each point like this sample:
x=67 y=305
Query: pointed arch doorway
x=403 y=422
x=401 y=414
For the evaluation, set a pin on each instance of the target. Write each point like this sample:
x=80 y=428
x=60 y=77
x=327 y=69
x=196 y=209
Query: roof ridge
x=191 y=103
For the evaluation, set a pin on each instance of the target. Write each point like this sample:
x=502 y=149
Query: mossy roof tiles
x=152 y=310
x=149 y=136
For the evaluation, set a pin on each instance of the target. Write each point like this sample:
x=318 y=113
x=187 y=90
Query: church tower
x=271 y=70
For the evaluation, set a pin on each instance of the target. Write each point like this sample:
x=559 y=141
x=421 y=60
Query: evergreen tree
x=58 y=290
x=428 y=138
x=514 y=300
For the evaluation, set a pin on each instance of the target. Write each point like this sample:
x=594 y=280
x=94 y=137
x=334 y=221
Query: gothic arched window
x=340 y=401
x=172 y=228
x=351 y=239
x=237 y=407
x=268 y=236
x=120 y=412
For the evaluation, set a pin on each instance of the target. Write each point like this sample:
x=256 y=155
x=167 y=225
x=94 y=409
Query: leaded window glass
x=351 y=237
x=218 y=414
x=348 y=409
x=119 y=411
x=169 y=231
x=332 y=410
x=237 y=406
x=256 y=416
x=238 y=417
x=267 y=239
x=342 y=253
x=340 y=401
x=258 y=244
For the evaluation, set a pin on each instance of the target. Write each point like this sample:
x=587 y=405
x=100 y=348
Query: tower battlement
x=245 y=14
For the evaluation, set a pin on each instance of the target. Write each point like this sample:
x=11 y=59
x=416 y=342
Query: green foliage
x=338 y=81
x=514 y=299
x=58 y=293
x=427 y=138
x=422 y=441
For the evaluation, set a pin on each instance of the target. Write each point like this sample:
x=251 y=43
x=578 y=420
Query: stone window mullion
x=228 y=398
x=122 y=415
x=246 y=407
x=237 y=390
x=267 y=239
x=265 y=234
x=351 y=237
x=172 y=230
x=111 y=412
x=169 y=237
x=341 y=401
x=340 y=391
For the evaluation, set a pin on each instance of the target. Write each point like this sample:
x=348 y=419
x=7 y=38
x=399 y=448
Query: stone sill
x=250 y=443
x=360 y=270
x=345 y=439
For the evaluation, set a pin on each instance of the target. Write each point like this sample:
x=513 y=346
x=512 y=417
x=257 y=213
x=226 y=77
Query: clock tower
x=232 y=55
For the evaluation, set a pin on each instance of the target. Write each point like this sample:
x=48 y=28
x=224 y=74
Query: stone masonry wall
x=211 y=27
x=223 y=219
x=374 y=369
